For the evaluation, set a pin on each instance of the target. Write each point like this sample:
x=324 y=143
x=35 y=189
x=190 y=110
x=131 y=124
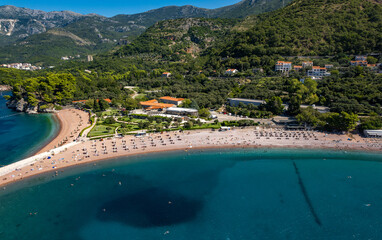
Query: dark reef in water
x=150 y=208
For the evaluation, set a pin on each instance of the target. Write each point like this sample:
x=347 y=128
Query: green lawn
x=100 y=130
x=110 y=112
x=128 y=129
x=206 y=125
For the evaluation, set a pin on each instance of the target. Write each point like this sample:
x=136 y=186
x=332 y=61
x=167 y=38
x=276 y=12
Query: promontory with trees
x=198 y=56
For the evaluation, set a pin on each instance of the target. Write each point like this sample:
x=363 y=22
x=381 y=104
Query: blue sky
x=112 y=7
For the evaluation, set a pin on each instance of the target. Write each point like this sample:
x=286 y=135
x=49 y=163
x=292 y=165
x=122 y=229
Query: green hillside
x=305 y=27
x=177 y=39
x=106 y=33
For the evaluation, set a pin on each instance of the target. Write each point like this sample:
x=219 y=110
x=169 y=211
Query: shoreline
x=54 y=136
x=52 y=173
x=66 y=130
x=68 y=150
x=62 y=166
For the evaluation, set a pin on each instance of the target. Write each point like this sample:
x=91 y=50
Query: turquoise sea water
x=230 y=194
x=21 y=134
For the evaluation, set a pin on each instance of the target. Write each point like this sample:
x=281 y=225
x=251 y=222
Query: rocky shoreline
x=5 y=88
x=23 y=106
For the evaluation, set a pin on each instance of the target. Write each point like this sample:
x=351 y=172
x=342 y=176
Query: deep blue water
x=230 y=194
x=22 y=134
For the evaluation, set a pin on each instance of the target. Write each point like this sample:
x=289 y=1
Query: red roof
x=172 y=99
x=79 y=101
x=282 y=62
x=84 y=101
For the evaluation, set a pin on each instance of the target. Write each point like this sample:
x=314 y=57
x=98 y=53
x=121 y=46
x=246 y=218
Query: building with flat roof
x=234 y=102
x=171 y=100
x=373 y=133
x=182 y=111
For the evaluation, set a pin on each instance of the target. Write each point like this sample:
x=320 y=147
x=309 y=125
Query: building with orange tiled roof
x=318 y=72
x=171 y=100
x=282 y=66
x=154 y=104
x=166 y=74
x=297 y=68
x=79 y=101
x=84 y=101
x=231 y=71
x=359 y=63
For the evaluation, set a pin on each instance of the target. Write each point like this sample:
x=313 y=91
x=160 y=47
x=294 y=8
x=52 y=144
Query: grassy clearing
x=100 y=130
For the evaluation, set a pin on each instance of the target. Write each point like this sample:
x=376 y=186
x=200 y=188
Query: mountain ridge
x=105 y=32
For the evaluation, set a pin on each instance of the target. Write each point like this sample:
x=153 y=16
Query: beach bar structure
x=373 y=133
x=182 y=111
x=234 y=102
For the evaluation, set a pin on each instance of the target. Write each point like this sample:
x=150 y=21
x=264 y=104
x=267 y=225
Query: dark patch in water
x=305 y=193
x=150 y=208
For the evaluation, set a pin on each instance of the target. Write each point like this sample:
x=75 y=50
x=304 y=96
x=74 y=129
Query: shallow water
x=22 y=134
x=231 y=194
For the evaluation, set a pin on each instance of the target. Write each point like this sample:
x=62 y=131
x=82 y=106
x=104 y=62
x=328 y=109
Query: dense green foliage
x=53 y=88
x=371 y=123
x=328 y=121
x=173 y=39
x=305 y=27
x=357 y=90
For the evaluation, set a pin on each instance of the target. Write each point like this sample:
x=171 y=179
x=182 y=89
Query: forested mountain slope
x=26 y=37
x=305 y=27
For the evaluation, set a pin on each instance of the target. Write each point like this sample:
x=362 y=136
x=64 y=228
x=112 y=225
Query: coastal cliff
x=23 y=106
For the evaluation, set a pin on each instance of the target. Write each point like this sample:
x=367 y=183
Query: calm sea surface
x=231 y=194
x=21 y=134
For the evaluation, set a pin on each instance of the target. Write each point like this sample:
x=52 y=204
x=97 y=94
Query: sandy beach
x=90 y=151
x=71 y=121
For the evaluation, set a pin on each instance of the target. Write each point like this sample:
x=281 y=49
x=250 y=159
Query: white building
x=307 y=64
x=166 y=74
x=231 y=71
x=182 y=111
x=317 y=72
x=360 y=58
x=373 y=133
x=234 y=102
x=283 y=66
